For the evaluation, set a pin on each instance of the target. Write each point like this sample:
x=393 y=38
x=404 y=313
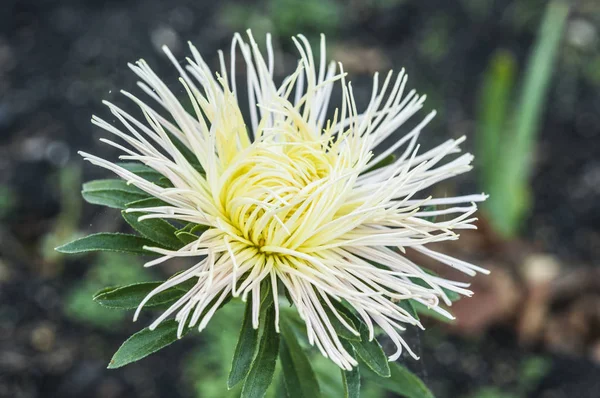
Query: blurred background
x=519 y=78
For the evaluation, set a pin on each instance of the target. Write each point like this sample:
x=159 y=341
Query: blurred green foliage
x=66 y=225
x=523 y=14
x=284 y=18
x=435 y=43
x=109 y=269
x=507 y=137
x=493 y=392
x=7 y=200
x=531 y=371
x=478 y=9
x=239 y=17
x=292 y=16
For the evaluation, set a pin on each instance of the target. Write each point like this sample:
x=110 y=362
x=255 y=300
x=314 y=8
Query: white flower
x=291 y=196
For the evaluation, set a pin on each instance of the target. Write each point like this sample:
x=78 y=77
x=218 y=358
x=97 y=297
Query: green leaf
x=430 y=218
x=186 y=237
x=341 y=330
x=129 y=297
x=262 y=369
x=452 y=295
x=112 y=193
x=351 y=378
x=187 y=154
x=371 y=352
x=144 y=343
x=148 y=202
x=155 y=229
x=110 y=242
x=105 y=290
x=409 y=307
x=403 y=382
x=187 y=285
x=139 y=169
x=190 y=233
x=299 y=377
x=193 y=228
x=383 y=162
x=199 y=229
x=165 y=182
x=244 y=350
x=424 y=310
x=248 y=337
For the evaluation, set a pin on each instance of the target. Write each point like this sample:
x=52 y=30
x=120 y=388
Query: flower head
x=305 y=199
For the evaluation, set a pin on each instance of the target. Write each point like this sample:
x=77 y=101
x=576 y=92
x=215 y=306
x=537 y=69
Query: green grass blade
x=494 y=98
x=510 y=193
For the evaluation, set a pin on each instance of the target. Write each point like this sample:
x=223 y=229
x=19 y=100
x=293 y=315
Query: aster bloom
x=303 y=198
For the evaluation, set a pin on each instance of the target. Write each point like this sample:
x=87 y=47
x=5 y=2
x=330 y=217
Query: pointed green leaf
x=244 y=350
x=186 y=237
x=112 y=193
x=383 y=162
x=299 y=377
x=263 y=367
x=452 y=295
x=144 y=343
x=190 y=233
x=193 y=228
x=129 y=297
x=139 y=169
x=155 y=229
x=104 y=241
x=105 y=290
x=187 y=153
x=409 y=307
x=403 y=382
x=351 y=378
x=148 y=202
x=424 y=310
x=341 y=330
x=187 y=285
x=429 y=208
x=371 y=352
x=165 y=182
x=349 y=317
x=199 y=229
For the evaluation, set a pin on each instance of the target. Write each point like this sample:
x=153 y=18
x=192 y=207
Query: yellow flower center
x=264 y=192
